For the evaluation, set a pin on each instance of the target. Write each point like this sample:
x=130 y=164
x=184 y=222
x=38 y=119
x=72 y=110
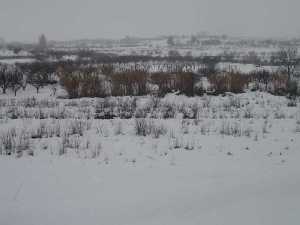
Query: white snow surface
x=200 y=189
x=17 y=60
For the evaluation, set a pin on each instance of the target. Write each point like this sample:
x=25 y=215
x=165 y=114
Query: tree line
x=88 y=79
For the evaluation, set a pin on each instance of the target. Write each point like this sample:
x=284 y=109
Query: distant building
x=42 y=45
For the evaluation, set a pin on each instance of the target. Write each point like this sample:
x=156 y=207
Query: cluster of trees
x=106 y=81
x=87 y=56
x=83 y=79
x=277 y=83
x=83 y=82
x=15 y=77
x=11 y=77
x=40 y=74
x=234 y=82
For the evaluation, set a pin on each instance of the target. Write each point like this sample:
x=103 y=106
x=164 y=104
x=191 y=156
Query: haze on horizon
x=77 y=19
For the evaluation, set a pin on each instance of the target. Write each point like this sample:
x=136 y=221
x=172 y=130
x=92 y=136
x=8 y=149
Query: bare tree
x=16 y=80
x=287 y=57
x=210 y=65
x=4 y=80
x=40 y=75
x=10 y=77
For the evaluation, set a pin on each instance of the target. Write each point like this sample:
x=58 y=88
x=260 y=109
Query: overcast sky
x=24 y=20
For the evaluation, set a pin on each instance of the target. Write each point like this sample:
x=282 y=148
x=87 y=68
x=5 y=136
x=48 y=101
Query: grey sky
x=74 y=19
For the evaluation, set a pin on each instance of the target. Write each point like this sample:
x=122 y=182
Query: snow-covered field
x=14 y=61
x=201 y=160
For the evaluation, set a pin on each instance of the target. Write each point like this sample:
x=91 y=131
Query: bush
x=83 y=83
x=141 y=127
x=78 y=127
x=228 y=82
x=292 y=88
x=7 y=141
x=144 y=127
x=13 y=142
x=133 y=83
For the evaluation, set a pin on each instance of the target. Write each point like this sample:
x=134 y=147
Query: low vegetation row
x=169 y=107
x=102 y=80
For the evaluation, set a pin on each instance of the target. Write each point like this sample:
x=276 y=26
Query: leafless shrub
x=189 y=145
x=13 y=142
x=168 y=110
x=96 y=151
x=292 y=103
x=158 y=130
x=59 y=112
x=54 y=129
x=230 y=129
x=141 y=127
x=247 y=131
x=74 y=142
x=8 y=142
x=40 y=132
x=144 y=127
x=118 y=127
x=102 y=130
x=185 y=126
x=78 y=126
x=248 y=112
x=64 y=143
x=141 y=113
x=12 y=112
x=40 y=113
x=22 y=143
x=177 y=143
x=228 y=82
x=265 y=127
x=206 y=101
x=235 y=101
x=204 y=128
x=29 y=102
x=155 y=101
x=172 y=134
x=104 y=108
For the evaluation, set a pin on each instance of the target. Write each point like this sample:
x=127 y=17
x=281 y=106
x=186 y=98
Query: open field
x=171 y=160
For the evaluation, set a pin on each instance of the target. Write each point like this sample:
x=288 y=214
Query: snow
x=199 y=189
x=17 y=60
x=245 y=68
x=70 y=57
x=195 y=173
x=10 y=53
x=157 y=46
